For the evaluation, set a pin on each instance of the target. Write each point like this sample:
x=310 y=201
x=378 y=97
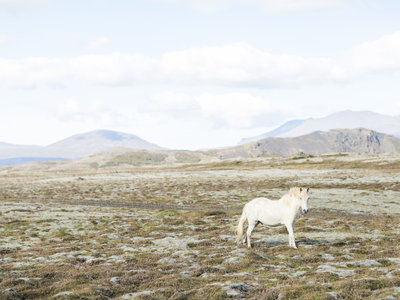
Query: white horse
x=273 y=212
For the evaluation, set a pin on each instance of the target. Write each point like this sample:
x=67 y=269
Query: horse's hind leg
x=244 y=239
x=252 y=225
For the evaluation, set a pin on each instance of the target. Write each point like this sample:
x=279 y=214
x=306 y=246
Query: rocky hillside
x=344 y=119
x=334 y=141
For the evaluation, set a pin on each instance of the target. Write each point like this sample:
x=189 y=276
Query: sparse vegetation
x=302 y=156
x=137 y=158
x=166 y=231
x=185 y=157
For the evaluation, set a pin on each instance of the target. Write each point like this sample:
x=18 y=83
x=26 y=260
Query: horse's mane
x=294 y=191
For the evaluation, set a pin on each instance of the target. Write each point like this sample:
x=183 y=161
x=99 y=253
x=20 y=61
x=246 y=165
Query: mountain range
x=320 y=142
x=345 y=119
x=309 y=136
x=74 y=147
x=359 y=140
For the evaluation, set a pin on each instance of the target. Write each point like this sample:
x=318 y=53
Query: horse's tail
x=239 y=228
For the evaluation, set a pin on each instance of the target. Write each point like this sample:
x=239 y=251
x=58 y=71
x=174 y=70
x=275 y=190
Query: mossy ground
x=348 y=243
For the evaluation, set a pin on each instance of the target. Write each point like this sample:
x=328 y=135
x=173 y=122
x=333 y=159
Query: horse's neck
x=294 y=203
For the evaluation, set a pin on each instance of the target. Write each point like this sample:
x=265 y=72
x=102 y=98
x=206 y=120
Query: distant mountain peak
x=78 y=146
x=343 y=119
x=276 y=132
x=106 y=134
x=112 y=135
x=81 y=145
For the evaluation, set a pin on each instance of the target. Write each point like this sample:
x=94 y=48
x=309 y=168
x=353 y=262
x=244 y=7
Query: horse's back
x=262 y=201
x=265 y=210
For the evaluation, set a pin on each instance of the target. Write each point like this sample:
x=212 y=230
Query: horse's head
x=303 y=196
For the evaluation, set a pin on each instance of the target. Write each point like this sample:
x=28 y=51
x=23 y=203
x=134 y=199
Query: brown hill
x=358 y=140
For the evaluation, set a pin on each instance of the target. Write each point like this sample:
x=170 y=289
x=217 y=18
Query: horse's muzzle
x=305 y=211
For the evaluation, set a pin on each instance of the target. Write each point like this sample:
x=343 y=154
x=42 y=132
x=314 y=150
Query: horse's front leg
x=292 y=242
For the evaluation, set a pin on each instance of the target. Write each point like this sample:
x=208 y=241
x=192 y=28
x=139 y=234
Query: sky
x=191 y=74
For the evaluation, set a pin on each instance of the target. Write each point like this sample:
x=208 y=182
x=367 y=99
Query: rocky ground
x=167 y=231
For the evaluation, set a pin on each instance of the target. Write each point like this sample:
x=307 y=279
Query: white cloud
x=235 y=110
x=242 y=64
x=32 y=71
x=78 y=111
x=381 y=55
x=113 y=69
x=235 y=65
x=180 y=105
x=95 y=114
x=98 y=44
x=227 y=110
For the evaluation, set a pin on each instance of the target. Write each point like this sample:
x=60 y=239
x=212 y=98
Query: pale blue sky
x=189 y=73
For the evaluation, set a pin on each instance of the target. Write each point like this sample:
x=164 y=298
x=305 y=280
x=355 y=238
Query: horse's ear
x=308 y=189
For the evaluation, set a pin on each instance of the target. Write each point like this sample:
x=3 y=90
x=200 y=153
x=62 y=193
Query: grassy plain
x=165 y=232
